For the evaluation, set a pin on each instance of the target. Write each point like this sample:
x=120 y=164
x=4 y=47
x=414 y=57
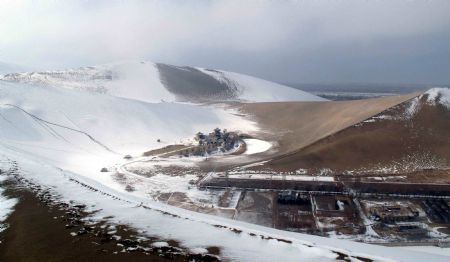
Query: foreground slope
x=149 y=82
x=238 y=240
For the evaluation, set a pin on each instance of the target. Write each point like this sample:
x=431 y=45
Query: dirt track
x=338 y=187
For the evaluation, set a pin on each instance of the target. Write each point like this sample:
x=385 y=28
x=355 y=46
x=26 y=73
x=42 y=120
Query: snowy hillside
x=259 y=90
x=62 y=125
x=438 y=95
x=151 y=82
x=128 y=80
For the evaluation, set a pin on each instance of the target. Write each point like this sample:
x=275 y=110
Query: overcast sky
x=286 y=41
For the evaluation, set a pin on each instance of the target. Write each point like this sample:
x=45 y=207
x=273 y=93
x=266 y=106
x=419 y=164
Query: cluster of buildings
x=217 y=140
x=225 y=139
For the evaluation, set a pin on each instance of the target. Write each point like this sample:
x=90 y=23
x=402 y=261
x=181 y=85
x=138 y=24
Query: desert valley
x=276 y=167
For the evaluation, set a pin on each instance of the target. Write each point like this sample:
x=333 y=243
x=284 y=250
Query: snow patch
x=198 y=250
x=160 y=244
x=439 y=95
x=6 y=205
x=255 y=146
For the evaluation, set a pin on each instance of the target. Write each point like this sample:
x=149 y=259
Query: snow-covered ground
x=160 y=181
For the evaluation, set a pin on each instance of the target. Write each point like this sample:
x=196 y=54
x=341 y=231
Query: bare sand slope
x=388 y=143
x=295 y=125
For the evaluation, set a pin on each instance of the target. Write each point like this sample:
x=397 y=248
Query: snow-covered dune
x=132 y=80
x=62 y=125
x=255 y=89
x=149 y=82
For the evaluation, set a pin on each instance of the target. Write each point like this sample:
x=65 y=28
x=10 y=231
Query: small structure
x=200 y=136
x=393 y=213
x=333 y=206
x=292 y=198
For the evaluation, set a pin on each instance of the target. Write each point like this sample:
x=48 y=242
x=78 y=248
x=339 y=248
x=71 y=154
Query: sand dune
x=295 y=125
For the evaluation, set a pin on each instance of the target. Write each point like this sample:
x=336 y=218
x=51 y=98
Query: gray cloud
x=289 y=41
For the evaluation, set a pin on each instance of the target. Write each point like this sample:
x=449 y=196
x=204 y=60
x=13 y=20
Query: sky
x=345 y=41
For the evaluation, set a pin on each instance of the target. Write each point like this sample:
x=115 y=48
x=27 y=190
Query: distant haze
x=402 y=42
x=361 y=87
